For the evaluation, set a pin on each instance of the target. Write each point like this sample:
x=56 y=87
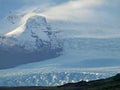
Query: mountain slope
x=32 y=41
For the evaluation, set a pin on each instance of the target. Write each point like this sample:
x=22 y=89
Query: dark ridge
x=112 y=83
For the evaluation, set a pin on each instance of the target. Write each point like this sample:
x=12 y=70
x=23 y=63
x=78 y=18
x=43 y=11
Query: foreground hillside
x=112 y=83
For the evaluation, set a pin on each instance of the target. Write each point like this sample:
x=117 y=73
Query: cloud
x=75 y=10
x=81 y=11
x=90 y=17
x=19 y=9
x=90 y=11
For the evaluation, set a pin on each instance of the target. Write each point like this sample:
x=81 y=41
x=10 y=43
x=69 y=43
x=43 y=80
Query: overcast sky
x=99 y=13
x=7 y=6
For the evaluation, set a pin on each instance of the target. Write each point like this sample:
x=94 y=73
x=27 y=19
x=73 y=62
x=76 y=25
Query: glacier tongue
x=36 y=40
x=50 y=76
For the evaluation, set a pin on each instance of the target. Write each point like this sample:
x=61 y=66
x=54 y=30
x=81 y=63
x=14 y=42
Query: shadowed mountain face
x=12 y=59
x=112 y=83
x=34 y=41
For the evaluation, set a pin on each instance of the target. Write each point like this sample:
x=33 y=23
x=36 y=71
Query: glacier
x=85 y=59
x=49 y=78
x=38 y=53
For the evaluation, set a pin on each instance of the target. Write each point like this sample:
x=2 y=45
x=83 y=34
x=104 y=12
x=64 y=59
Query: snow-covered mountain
x=33 y=40
x=53 y=42
x=59 y=57
x=10 y=22
x=81 y=59
x=36 y=39
x=34 y=34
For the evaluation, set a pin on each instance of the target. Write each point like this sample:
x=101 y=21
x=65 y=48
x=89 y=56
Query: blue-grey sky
x=7 y=6
x=90 y=15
